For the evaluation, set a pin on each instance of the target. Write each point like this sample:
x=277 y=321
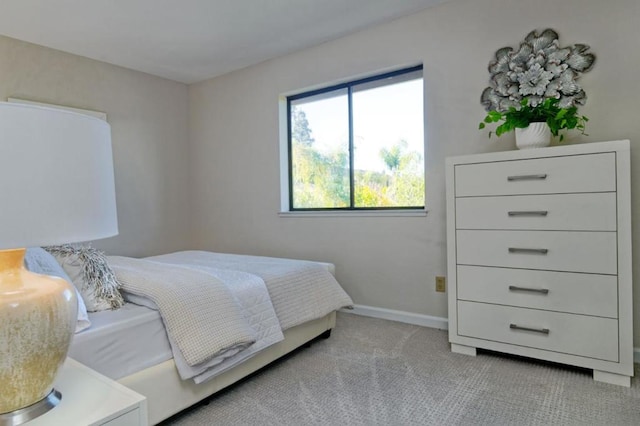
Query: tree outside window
x=359 y=145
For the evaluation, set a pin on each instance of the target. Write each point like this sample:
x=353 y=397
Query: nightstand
x=91 y=399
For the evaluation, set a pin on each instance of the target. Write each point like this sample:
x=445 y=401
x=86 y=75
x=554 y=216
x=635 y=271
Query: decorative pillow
x=91 y=274
x=39 y=261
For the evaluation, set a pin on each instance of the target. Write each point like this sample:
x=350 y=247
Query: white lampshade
x=56 y=177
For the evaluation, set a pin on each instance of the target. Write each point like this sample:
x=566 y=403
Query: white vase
x=536 y=135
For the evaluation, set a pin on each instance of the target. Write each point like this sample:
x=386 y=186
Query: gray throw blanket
x=300 y=290
x=199 y=312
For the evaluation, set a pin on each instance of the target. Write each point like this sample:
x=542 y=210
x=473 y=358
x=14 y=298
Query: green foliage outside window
x=321 y=179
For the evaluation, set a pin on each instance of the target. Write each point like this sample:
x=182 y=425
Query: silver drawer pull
x=533 y=290
x=528 y=250
x=527 y=177
x=536 y=330
x=528 y=213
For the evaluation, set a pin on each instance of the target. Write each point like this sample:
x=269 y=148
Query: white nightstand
x=89 y=398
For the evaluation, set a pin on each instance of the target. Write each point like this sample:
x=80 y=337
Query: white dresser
x=539 y=255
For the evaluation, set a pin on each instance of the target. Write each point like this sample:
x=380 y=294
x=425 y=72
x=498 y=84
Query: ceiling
x=192 y=40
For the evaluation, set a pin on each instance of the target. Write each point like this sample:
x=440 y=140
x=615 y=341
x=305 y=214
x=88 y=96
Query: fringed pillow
x=39 y=261
x=91 y=274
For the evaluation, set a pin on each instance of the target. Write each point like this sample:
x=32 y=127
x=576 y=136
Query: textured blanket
x=254 y=299
x=300 y=291
x=201 y=316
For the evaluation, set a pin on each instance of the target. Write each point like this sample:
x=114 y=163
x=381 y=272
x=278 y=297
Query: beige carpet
x=377 y=372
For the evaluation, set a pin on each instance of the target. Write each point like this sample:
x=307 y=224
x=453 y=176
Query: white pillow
x=41 y=262
x=91 y=274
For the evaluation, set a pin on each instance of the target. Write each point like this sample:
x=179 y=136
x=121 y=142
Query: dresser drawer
x=582 y=335
x=591 y=252
x=588 y=294
x=553 y=175
x=570 y=212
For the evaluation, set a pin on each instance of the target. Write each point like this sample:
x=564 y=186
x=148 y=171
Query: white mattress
x=122 y=342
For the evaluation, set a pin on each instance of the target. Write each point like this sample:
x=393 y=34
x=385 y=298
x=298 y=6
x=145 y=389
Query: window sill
x=357 y=213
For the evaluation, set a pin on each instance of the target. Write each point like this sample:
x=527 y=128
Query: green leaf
x=547 y=111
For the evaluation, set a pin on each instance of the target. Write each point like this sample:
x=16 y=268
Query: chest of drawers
x=539 y=255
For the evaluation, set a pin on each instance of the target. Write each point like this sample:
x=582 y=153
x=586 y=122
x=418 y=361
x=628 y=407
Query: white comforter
x=300 y=290
x=188 y=299
x=253 y=298
x=295 y=292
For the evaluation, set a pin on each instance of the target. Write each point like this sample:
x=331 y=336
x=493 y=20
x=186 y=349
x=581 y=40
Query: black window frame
x=349 y=86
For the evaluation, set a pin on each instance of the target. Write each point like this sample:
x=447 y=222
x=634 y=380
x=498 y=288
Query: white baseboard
x=400 y=316
x=419 y=319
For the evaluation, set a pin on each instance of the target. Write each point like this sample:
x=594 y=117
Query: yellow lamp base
x=37 y=320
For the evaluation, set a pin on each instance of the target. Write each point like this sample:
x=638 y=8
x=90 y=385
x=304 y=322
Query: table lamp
x=56 y=187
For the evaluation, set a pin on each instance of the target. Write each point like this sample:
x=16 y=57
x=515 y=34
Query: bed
x=167 y=394
x=131 y=344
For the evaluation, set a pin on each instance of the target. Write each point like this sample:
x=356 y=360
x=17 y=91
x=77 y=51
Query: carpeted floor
x=377 y=372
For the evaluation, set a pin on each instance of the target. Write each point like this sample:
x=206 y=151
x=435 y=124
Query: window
x=358 y=145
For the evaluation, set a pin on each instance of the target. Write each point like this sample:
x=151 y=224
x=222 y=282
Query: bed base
x=167 y=394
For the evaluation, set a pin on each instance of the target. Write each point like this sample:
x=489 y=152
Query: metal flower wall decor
x=537 y=70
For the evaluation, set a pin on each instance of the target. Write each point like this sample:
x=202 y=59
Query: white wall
x=226 y=180
x=148 y=117
x=391 y=262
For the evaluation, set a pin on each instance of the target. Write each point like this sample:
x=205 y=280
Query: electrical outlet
x=441 y=285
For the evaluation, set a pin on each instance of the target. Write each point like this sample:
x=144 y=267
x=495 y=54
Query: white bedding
x=251 y=294
x=202 y=317
x=122 y=342
x=300 y=291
